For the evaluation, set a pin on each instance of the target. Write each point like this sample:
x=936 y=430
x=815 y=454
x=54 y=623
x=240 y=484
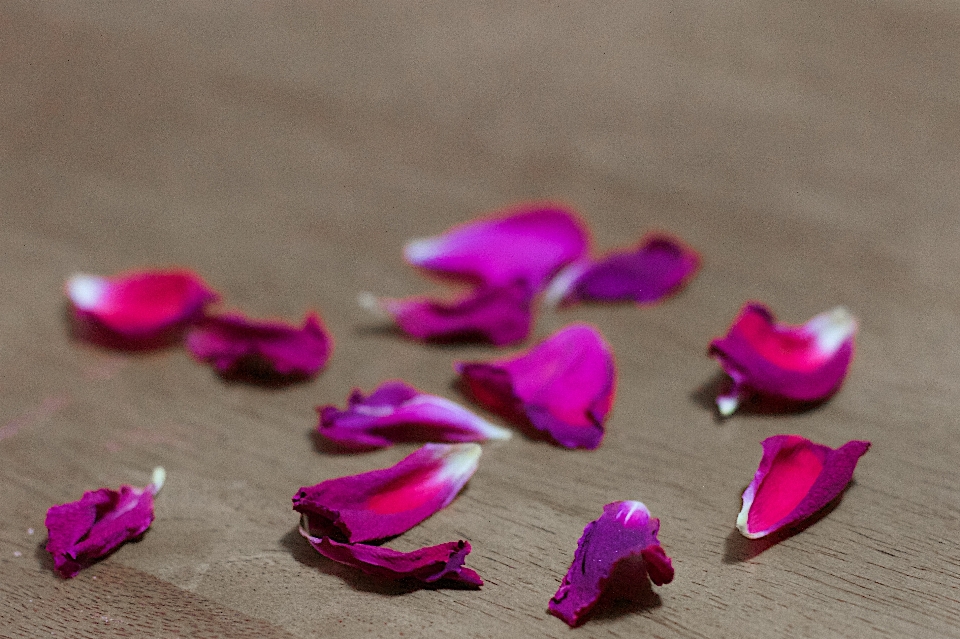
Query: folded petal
x=397 y=412
x=383 y=503
x=85 y=530
x=800 y=363
x=795 y=479
x=563 y=386
x=233 y=343
x=625 y=536
x=526 y=244
x=659 y=267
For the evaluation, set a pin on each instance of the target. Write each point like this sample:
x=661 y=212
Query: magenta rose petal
x=799 y=363
x=384 y=503
x=83 y=531
x=235 y=344
x=397 y=412
x=625 y=536
x=795 y=479
x=563 y=387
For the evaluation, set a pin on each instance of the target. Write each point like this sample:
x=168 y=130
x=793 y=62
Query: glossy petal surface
x=563 y=386
x=625 y=536
x=383 y=503
x=795 y=479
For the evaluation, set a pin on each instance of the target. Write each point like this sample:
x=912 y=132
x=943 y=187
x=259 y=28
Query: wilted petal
x=563 y=386
x=85 y=530
x=398 y=412
x=232 y=343
x=795 y=479
x=625 y=536
x=800 y=363
x=387 y=502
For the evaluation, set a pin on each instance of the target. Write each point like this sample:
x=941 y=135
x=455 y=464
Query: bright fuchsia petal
x=795 y=479
x=232 y=343
x=621 y=544
x=85 y=530
x=800 y=363
x=526 y=244
x=563 y=386
x=397 y=412
x=387 y=502
x=137 y=308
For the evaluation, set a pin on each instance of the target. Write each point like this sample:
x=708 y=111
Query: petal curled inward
x=798 y=363
x=383 y=503
x=795 y=479
x=621 y=545
x=397 y=412
x=235 y=344
x=94 y=526
x=563 y=387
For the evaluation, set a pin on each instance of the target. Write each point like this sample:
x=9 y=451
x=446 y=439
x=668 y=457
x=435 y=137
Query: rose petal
x=625 y=534
x=93 y=527
x=800 y=363
x=527 y=244
x=138 y=308
x=795 y=479
x=564 y=386
x=383 y=503
x=659 y=267
x=397 y=412
x=232 y=343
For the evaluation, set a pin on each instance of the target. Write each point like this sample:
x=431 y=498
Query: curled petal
x=82 y=531
x=563 y=386
x=232 y=343
x=795 y=479
x=398 y=412
x=800 y=363
x=383 y=503
x=622 y=545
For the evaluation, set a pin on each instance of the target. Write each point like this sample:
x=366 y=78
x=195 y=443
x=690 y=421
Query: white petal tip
x=420 y=250
x=372 y=304
x=560 y=285
x=158 y=479
x=85 y=291
x=727 y=405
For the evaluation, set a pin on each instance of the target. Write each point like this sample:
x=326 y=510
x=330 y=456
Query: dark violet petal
x=383 y=503
x=800 y=363
x=398 y=412
x=563 y=386
x=231 y=343
x=625 y=535
x=795 y=479
x=85 y=530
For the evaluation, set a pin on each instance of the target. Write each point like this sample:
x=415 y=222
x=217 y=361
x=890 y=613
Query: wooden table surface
x=286 y=151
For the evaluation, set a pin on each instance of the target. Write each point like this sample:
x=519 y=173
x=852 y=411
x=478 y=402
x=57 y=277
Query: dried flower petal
x=625 y=536
x=85 y=530
x=800 y=363
x=232 y=343
x=383 y=503
x=563 y=386
x=795 y=479
x=397 y=412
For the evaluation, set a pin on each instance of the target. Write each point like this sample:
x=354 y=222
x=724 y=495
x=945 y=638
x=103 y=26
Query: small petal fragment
x=383 y=503
x=799 y=363
x=234 y=344
x=625 y=535
x=93 y=527
x=397 y=412
x=795 y=479
x=563 y=386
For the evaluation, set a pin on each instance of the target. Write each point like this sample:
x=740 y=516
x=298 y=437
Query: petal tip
x=158 y=479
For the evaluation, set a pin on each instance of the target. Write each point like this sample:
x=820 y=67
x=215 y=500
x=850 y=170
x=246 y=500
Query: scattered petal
x=625 y=536
x=383 y=503
x=563 y=386
x=234 y=344
x=397 y=412
x=795 y=479
x=93 y=527
x=798 y=363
